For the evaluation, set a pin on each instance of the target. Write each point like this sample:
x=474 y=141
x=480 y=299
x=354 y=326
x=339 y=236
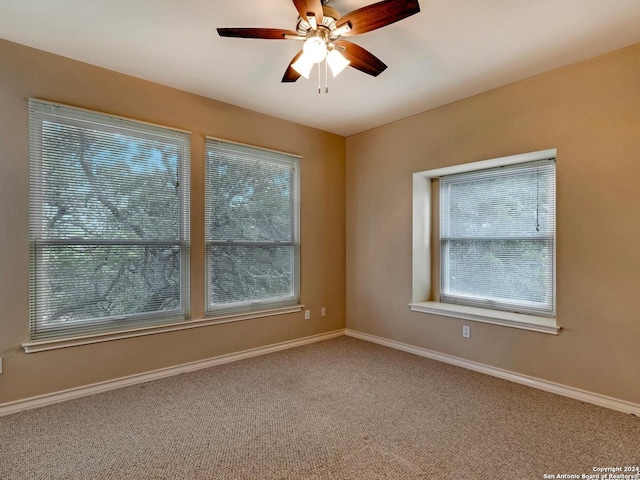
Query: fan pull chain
x=326 y=77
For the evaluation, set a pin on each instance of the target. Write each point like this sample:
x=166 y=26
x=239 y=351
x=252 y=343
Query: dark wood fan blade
x=291 y=75
x=361 y=59
x=307 y=6
x=378 y=15
x=264 y=33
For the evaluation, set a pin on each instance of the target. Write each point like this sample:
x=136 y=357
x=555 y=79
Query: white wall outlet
x=307 y=314
x=323 y=312
x=466 y=331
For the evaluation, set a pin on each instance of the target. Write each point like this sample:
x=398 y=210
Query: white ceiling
x=451 y=50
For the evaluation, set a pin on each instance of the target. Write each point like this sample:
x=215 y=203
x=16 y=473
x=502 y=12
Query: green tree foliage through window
x=109 y=212
x=251 y=227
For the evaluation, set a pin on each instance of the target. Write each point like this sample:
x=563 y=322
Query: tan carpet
x=339 y=409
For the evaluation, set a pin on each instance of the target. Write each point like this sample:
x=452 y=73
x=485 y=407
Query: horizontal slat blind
x=109 y=222
x=497 y=230
x=252 y=228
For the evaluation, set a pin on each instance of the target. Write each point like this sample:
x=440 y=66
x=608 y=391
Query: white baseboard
x=582 y=395
x=575 y=393
x=51 y=398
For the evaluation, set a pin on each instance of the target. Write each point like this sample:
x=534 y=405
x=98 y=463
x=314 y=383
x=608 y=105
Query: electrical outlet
x=323 y=312
x=307 y=314
x=0 y=365
x=466 y=333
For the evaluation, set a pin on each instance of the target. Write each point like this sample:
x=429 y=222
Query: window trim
x=55 y=344
x=114 y=325
x=257 y=307
x=421 y=258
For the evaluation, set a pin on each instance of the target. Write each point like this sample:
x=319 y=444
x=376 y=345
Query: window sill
x=495 y=317
x=54 y=344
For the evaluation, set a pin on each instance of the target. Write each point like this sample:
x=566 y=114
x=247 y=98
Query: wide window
x=109 y=224
x=497 y=238
x=252 y=228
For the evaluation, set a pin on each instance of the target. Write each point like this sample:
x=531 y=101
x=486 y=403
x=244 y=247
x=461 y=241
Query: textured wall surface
x=590 y=112
x=25 y=73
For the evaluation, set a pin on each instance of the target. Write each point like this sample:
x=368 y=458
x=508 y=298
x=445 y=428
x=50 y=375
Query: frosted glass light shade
x=303 y=65
x=315 y=48
x=337 y=62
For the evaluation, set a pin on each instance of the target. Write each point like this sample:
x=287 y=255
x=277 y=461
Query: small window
x=252 y=228
x=109 y=223
x=497 y=238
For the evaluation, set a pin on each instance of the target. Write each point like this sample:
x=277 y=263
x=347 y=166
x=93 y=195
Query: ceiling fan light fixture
x=303 y=65
x=320 y=28
x=337 y=62
x=315 y=49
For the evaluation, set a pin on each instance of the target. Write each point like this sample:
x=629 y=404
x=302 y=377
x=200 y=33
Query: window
x=496 y=236
x=109 y=224
x=252 y=228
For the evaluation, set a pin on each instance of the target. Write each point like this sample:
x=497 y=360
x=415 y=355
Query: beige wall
x=25 y=73
x=590 y=112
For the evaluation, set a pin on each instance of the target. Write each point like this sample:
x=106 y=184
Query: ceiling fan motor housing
x=330 y=16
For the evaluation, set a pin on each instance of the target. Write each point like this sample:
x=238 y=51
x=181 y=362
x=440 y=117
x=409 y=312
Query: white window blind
x=109 y=223
x=497 y=231
x=252 y=228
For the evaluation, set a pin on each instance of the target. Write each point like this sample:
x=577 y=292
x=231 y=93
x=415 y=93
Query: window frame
x=425 y=268
x=273 y=305
x=546 y=237
x=39 y=110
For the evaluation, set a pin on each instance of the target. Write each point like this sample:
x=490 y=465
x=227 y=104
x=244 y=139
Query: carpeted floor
x=338 y=409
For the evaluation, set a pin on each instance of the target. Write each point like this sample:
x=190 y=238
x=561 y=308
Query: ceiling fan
x=321 y=28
